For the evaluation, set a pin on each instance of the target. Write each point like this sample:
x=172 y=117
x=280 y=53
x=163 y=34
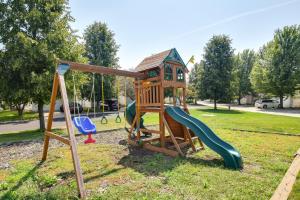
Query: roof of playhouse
x=157 y=59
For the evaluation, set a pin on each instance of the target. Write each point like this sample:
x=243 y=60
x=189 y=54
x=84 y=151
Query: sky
x=143 y=28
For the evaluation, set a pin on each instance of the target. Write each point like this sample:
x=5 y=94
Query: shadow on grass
x=152 y=164
x=220 y=111
x=102 y=175
x=10 y=193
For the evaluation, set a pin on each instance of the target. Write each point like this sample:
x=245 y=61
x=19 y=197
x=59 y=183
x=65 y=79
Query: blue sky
x=144 y=27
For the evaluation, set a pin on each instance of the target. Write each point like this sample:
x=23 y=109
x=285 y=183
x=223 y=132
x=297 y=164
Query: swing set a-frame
x=59 y=83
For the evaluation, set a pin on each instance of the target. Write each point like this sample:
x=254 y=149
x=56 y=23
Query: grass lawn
x=295 y=194
x=8 y=115
x=113 y=171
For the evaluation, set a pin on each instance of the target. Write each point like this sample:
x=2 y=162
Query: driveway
x=284 y=112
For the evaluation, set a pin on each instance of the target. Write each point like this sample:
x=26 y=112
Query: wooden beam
x=150 y=131
x=151 y=139
x=101 y=69
x=70 y=129
x=172 y=137
x=285 y=187
x=162 y=106
x=50 y=116
x=160 y=150
x=57 y=137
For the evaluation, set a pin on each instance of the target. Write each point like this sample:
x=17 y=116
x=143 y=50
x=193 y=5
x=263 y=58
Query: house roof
x=157 y=59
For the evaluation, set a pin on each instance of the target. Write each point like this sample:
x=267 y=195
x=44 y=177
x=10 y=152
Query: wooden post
x=174 y=96
x=73 y=145
x=161 y=113
x=183 y=98
x=285 y=187
x=50 y=116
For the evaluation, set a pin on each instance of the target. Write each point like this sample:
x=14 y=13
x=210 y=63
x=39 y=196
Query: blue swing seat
x=84 y=125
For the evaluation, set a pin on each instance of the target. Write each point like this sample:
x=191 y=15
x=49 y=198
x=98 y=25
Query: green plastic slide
x=231 y=156
x=130 y=114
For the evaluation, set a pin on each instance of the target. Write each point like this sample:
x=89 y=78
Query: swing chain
x=103 y=119
x=118 y=118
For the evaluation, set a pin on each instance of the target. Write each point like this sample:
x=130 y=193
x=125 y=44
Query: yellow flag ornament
x=191 y=60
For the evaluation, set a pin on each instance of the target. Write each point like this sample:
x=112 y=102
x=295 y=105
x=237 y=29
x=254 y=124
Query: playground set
x=151 y=77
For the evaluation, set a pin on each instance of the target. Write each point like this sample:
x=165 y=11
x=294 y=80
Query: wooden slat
x=157 y=94
x=70 y=129
x=151 y=139
x=181 y=144
x=150 y=131
x=102 y=70
x=58 y=137
x=285 y=187
x=160 y=150
x=150 y=104
x=50 y=116
x=145 y=109
x=150 y=95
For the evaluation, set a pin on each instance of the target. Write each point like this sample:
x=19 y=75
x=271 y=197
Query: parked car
x=112 y=104
x=71 y=107
x=267 y=103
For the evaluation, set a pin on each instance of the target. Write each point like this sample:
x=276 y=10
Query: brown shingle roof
x=153 y=61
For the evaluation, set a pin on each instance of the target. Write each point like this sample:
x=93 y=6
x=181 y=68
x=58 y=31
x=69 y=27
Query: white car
x=267 y=103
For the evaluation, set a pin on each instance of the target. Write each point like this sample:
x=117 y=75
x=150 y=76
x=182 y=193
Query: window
x=152 y=73
x=168 y=72
x=180 y=74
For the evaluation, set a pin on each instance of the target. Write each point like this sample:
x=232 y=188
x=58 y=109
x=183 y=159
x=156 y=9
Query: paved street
x=283 y=112
x=59 y=121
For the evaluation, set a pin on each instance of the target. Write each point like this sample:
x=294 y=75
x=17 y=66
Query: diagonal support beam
x=71 y=133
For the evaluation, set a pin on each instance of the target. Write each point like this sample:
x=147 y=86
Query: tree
x=39 y=34
x=284 y=70
x=14 y=80
x=259 y=74
x=195 y=77
x=277 y=70
x=101 y=49
x=242 y=68
x=218 y=61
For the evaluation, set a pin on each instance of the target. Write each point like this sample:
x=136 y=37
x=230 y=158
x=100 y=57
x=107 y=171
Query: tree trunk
x=281 y=101
x=41 y=115
x=215 y=103
x=239 y=100
x=20 y=109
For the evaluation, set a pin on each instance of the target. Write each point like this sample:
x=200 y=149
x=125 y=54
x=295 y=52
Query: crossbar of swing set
x=101 y=70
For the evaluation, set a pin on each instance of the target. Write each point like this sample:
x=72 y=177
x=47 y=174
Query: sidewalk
x=283 y=112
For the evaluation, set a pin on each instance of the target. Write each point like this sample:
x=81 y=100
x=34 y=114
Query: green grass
x=295 y=194
x=8 y=115
x=110 y=172
x=114 y=172
x=250 y=121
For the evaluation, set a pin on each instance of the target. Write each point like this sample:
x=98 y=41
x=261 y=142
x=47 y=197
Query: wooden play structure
x=162 y=71
x=152 y=78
